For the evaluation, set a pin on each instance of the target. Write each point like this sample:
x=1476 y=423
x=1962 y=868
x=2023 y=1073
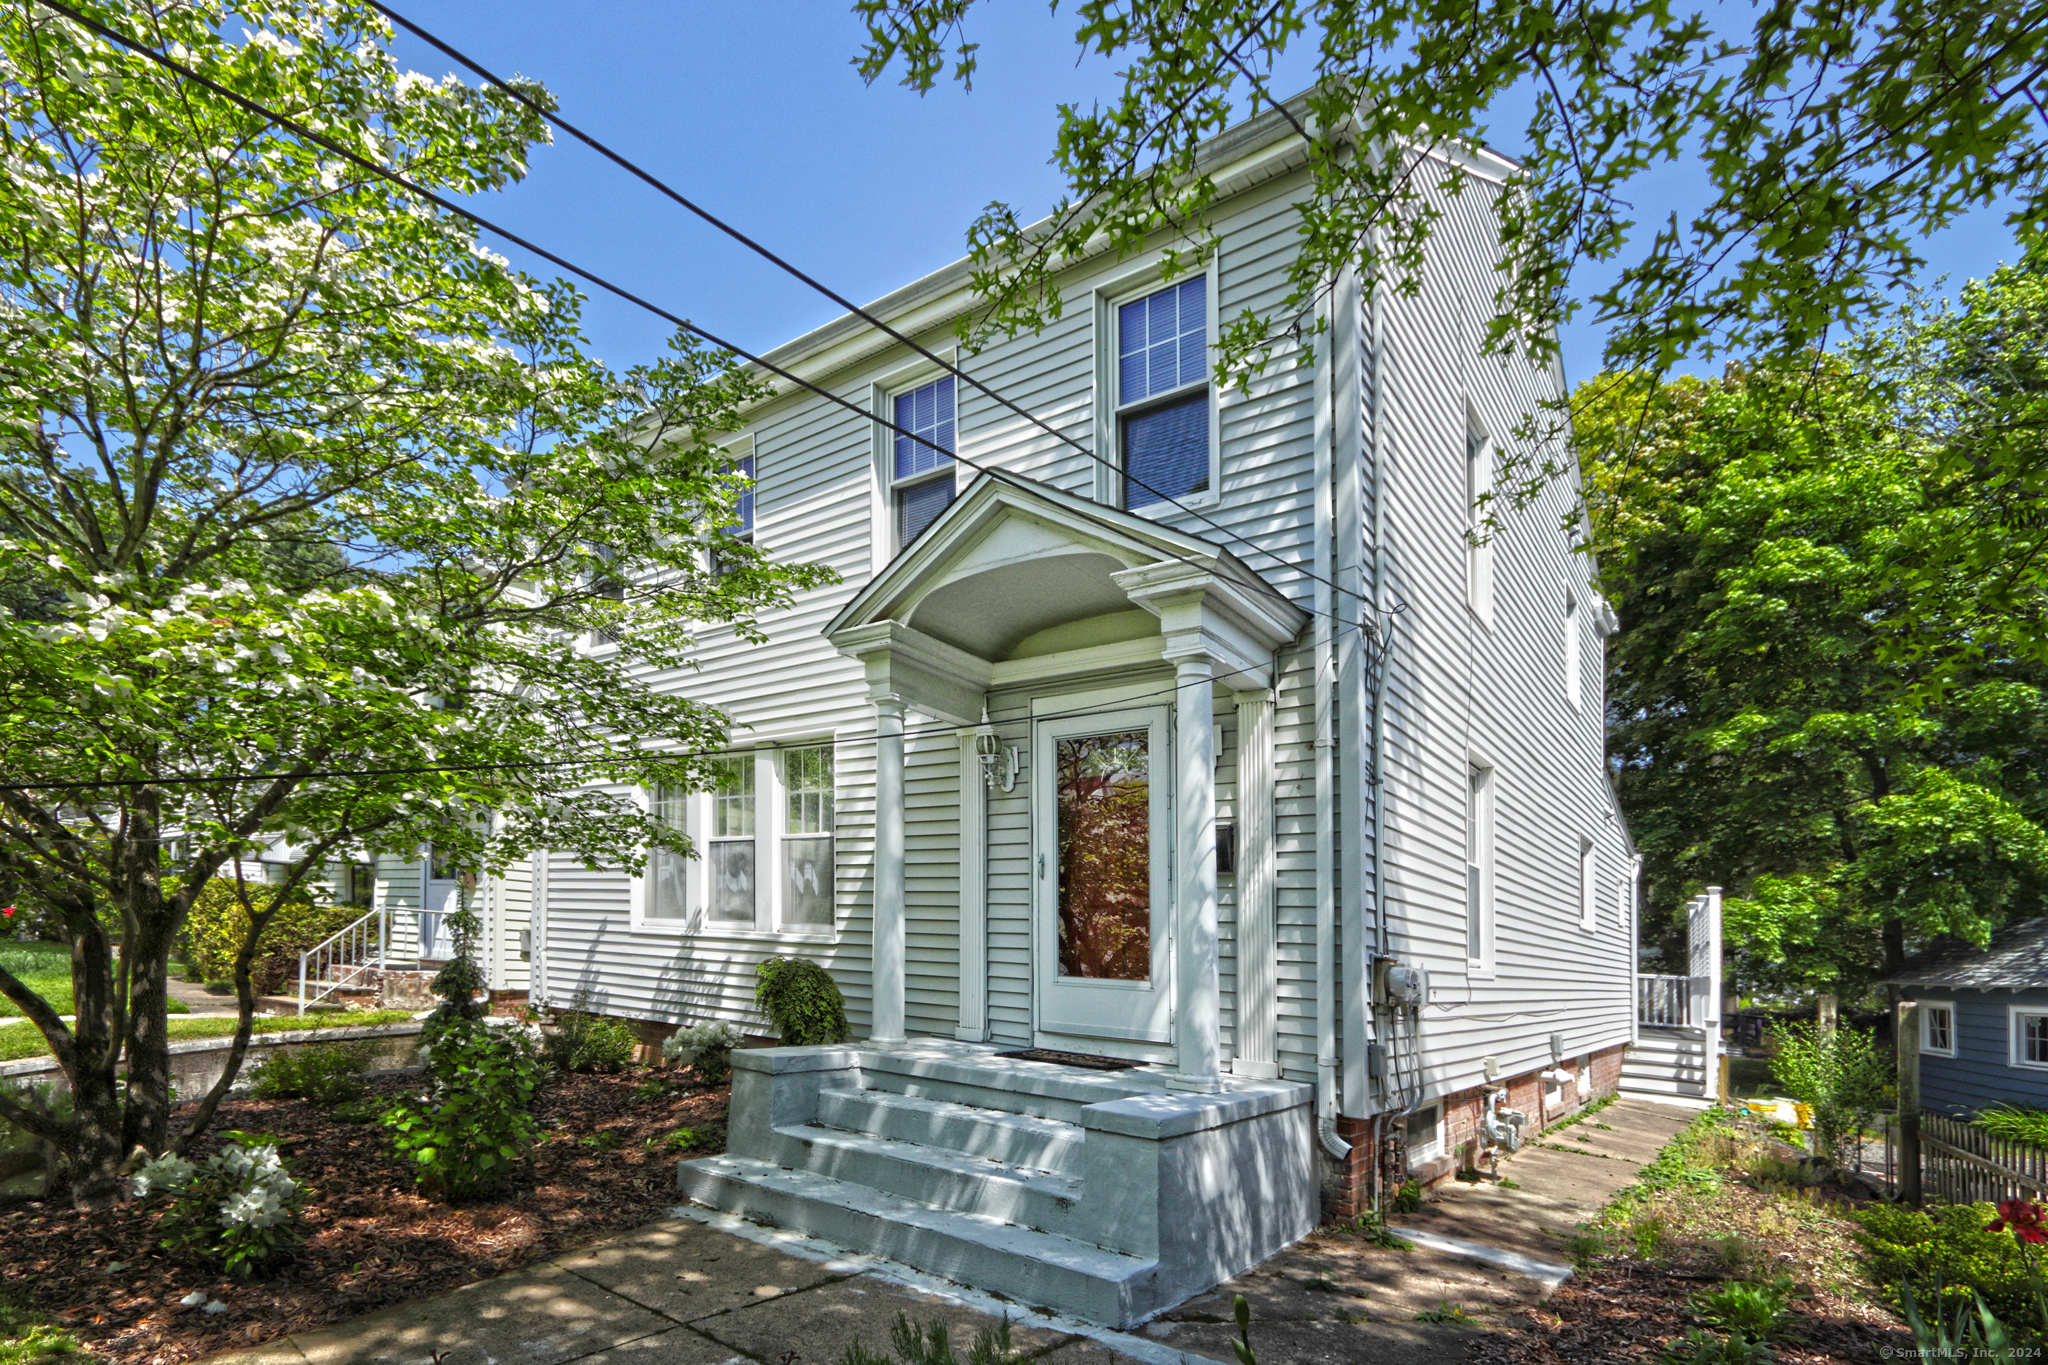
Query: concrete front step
x=943 y=1179
x=1005 y=1084
x=1022 y=1140
x=1031 y=1266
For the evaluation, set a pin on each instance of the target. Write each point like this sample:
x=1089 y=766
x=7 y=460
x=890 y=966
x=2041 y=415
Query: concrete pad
x=821 y=1323
x=1086 y=1353
x=684 y=1270
x=531 y=1317
x=677 y=1346
x=269 y=1353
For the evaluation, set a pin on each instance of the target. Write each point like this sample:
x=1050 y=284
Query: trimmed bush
x=1944 y=1255
x=589 y=1043
x=325 y=1073
x=217 y=926
x=802 y=1001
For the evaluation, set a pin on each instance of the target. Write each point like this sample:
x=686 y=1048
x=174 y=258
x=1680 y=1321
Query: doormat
x=1081 y=1059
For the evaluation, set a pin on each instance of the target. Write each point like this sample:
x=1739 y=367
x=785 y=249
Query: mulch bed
x=372 y=1240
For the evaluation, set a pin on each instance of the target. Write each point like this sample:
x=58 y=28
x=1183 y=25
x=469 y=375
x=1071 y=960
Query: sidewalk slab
x=821 y=1323
x=541 y=1316
x=676 y=1346
x=684 y=1270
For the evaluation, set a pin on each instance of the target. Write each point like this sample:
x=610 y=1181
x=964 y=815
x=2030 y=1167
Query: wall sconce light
x=985 y=745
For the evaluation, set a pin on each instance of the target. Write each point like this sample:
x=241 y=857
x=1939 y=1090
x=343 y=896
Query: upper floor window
x=1162 y=398
x=1478 y=502
x=743 y=529
x=921 y=475
x=1571 y=649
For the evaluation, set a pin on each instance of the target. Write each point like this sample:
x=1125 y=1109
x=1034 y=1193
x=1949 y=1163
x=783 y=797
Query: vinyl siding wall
x=1981 y=1072
x=1460 y=688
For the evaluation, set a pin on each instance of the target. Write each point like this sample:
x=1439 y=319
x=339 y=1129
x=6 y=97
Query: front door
x=1102 y=860
x=440 y=897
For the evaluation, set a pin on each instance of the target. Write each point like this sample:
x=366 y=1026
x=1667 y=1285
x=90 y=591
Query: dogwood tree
x=330 y=528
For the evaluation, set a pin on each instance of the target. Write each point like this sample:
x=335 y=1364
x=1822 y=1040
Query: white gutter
x=1383 y=620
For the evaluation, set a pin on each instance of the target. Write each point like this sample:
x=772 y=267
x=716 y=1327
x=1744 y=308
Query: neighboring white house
x=1298 y=740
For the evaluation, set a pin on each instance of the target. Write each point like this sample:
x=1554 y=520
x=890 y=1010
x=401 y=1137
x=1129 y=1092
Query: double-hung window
x=2029 y=1026
x=743 y=529
x=921 y=469
x=1478 y=512
x=763 y=844
x=1162 y=393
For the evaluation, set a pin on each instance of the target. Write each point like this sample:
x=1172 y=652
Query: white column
x=1257 y=973
x=887 y=963
x=973 y=1021
x=1198 y=1014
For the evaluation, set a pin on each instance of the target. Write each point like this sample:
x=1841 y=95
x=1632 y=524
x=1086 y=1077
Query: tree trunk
x=93 y=1162
x=1894 y=947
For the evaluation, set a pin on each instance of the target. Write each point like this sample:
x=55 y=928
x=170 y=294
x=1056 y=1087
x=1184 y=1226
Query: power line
x=683 y=324
x=662 y=187
x=238 y=779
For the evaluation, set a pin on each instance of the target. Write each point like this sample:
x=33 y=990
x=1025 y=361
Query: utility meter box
x=1407 y=987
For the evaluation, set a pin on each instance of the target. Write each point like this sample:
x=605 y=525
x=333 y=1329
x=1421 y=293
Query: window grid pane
x=807 y=776
x=2037 y=1038
x=1166 y=452
x=732 y=804
x=1938 y=1030
x=928 y=412
x=1162 y=341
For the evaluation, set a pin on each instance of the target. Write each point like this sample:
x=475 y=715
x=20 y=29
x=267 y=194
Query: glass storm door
x=440 y=897
x=1103 y=839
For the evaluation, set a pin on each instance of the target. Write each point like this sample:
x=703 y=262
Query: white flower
x=193 y=1299
x=167 y=1172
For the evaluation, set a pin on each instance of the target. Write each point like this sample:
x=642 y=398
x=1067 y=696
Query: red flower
x=9 y=912
x=2024 y=1217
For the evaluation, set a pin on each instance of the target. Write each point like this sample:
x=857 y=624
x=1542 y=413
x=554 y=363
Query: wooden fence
x=1964 y=1165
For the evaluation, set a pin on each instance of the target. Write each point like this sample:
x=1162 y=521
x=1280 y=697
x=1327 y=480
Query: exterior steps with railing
x=1103 y=1194
x=1666 y=1061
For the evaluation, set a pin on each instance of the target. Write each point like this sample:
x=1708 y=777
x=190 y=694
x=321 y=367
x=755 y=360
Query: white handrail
x=1663 y=1001
x=350 y=950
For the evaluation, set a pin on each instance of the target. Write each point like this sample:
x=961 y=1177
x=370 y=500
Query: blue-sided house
x=1983 y=1019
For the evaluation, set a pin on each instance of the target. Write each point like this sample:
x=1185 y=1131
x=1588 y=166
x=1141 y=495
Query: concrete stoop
x=1107 y=1196
x=1666 y=1062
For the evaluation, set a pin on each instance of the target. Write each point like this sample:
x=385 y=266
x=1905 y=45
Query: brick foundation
x=1347 y=1184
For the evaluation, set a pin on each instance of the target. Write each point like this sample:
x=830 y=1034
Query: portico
x=1094 y=595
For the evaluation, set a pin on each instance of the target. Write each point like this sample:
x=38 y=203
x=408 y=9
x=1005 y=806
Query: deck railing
x=348 y=958
x=1663 y=1001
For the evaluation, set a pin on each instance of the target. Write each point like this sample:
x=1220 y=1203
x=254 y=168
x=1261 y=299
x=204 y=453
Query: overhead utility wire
x=662 y=187
x=524 y=764
x=683 y=324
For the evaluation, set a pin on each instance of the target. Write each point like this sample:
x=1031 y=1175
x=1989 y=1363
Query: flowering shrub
x=475 y=1123
x=240 y=1204
x=1944 y=1256
x=708 y=1047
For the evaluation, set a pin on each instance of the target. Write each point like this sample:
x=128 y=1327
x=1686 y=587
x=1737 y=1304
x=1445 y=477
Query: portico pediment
x=1009 y=563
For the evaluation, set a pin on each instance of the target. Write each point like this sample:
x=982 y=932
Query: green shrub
x=1944 y=1256
x=475 y=1123
x=2015 y=1123
x=927 y=1345
x=707 y=1047
x=1756 y=1311
x=217 y=926
x=325 y=1073
x=1704 y=1348
x=802 y=1001
x=589 y=1043
x=1408 y=1197
x=1841 y=1074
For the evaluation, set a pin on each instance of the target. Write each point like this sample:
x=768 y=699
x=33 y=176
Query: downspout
x=1326 y=776
x=1381 y=619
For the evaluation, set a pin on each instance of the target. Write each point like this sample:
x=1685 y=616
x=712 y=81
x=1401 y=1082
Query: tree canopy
x=319 y=521
x=1754 y=532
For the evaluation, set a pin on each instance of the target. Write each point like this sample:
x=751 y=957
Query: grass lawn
x=46 y=969
x=20 y=1040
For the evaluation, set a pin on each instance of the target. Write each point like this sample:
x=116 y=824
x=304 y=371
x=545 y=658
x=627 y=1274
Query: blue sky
x=754 y=111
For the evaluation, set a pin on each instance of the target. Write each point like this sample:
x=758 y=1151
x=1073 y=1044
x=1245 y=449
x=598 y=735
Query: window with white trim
x=1589 y=883
x=763 y=848
x=1938 y=1028
x=921 y=483
x=743 y=529
x=1571 y=650
x=730 y=844
x=1478 y=505
x=1479 y=866
x=1162 y=394
x=2029 y=1032
x=1425 y=1134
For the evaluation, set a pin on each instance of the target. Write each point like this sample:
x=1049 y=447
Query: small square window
x=1938 y=1029
x=2029 y=1037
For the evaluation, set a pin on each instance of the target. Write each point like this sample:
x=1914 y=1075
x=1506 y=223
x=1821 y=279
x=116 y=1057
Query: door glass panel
x=1105 y=856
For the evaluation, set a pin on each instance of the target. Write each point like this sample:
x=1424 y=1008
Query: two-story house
x=1134 y=770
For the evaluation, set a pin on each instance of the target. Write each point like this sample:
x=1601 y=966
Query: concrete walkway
x=702 y=1288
